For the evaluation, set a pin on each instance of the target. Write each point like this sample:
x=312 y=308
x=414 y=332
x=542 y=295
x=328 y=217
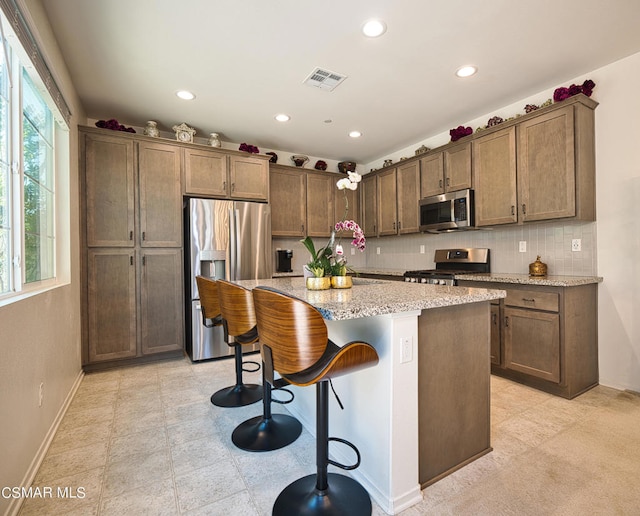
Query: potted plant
x=319 y=265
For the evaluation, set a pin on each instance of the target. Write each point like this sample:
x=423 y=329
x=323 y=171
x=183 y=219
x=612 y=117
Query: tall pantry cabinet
x=131 y=247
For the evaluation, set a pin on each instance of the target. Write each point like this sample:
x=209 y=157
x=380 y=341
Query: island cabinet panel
x=387 y=203
x=161 y=307
x=548 y=336
x=124 y=276
x=109 y=184
x=288 y=202
x=453 y=388
x=494 y=178
x=408 y=180
x=160 y=195
x=320 y=209
x=369 y=199
x=111 y=304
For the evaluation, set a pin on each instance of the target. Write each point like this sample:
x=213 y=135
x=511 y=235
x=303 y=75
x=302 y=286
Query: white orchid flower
x=343 y=183
x=352 y=186
x=354 y=177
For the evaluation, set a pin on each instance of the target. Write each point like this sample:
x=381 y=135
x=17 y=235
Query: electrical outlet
x=377 y=250
x=576 y=244
x=421 y=249
x=40 y=394
x=523 y=246
x=353 y=251
x=406 y=349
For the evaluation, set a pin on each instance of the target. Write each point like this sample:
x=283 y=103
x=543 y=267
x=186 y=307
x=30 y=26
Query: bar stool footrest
x=250 y=369
x=350 y=445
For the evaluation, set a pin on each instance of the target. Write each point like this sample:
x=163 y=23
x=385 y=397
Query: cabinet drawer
x=532 y=299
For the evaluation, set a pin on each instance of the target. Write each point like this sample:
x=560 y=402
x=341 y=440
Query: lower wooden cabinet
x=134 y=303
x=545 y=336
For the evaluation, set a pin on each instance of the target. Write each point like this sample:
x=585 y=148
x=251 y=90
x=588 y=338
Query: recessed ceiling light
x=282 y=117
x=185 y=95
x=355 y=134
x=466 y=71
x=374 y=28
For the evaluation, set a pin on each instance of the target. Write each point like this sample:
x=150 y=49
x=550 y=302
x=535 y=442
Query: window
x=32 y=185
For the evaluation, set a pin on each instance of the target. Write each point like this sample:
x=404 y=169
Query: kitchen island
x=427 y=397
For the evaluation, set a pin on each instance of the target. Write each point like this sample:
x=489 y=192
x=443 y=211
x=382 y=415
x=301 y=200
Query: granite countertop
x=371 y=297
x=525 y=279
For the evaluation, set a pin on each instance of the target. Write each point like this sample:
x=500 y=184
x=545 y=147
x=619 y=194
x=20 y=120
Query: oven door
x=446 y=212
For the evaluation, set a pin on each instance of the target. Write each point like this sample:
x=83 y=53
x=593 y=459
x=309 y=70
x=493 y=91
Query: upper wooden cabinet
x=160 y=195
x=320 y=207
x=288 y=201
x=109 y=184
x=540 y=167
x=494 y=178
x=387 y=202
x=215 y=173
x=408 y=185
x=448 y=170
x=369 y=200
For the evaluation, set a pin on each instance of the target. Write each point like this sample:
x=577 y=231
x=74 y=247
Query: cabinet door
x=546 y=166
x=457 y=167
x=369 y=199
x=249 y=178
x=160 y=195
x=408 y=197
x=205 y=173
x=111 y=304
x=496 y=355
x=109 y=184
x=532 y=343
x=320 y=209
x=432 y=175
x=494 y=178
x=387 y=203
x=161 y=301
x=287 y=200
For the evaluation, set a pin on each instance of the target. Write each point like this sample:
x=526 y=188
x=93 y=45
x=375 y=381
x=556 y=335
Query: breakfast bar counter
x=433 y=344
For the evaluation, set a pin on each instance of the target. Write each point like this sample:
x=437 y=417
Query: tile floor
x=146 y=440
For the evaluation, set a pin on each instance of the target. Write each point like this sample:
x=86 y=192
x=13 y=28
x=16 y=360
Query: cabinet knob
x=394 y=225
x=224 y=185
x=528 y=300
x=513 y=210
x=506 y=322
x=233 y=187
x=130 y=260
x=494 y=319
x=524 y=209
x=130 y=235
x=440 y=183
x=448 y=181
x=144 y=235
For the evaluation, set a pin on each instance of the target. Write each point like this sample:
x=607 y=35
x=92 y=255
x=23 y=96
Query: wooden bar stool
x=241 y=393
x=268 y=431
x=294 y=342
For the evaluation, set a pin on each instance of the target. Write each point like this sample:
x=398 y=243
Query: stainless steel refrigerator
x=223 y=240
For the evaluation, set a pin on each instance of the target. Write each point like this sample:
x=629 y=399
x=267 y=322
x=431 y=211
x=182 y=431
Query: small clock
x=184 y=133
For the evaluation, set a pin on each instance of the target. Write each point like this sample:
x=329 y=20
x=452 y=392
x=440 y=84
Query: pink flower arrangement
x=359 y=241
x=252 y=149
x=114 y=125
x=585 y=88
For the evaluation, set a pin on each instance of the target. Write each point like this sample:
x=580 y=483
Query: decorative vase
x=323 y=283
x=214 y=140
x=299 y=159
x=341 y=282
x=346 y=166
x=152 y=129
x=273 y=158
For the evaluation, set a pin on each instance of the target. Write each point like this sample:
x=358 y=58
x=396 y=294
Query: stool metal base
x=342 y=496
x=237 y=395
x=266 y=434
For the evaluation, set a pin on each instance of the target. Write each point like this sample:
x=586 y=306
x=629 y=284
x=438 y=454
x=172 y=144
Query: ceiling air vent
x=324 y=79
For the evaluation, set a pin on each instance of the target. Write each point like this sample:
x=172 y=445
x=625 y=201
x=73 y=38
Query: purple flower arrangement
x=114 y=125
x=359 y=239
x=586 y=88
x=252 y=149
x=460 y=132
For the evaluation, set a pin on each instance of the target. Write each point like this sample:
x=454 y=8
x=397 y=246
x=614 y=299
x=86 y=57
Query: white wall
x=40 y=336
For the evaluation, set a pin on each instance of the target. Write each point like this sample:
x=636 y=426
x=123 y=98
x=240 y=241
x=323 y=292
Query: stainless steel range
x=450 y=262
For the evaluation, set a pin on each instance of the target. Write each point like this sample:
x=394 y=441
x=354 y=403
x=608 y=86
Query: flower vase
x=341 y=282
x=323 y=283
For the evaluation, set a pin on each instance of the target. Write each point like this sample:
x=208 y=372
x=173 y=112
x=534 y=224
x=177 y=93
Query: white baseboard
x=16 y=503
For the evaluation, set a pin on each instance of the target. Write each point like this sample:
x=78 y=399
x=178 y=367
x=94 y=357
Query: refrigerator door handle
x=234 y=248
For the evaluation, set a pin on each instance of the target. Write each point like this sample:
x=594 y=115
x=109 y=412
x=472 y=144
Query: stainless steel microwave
x=447 y=212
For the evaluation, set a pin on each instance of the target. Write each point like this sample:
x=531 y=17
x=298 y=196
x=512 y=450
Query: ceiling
x=246 y=62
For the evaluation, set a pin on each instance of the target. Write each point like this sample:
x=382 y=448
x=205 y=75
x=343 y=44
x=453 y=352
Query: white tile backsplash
x=552 y=241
